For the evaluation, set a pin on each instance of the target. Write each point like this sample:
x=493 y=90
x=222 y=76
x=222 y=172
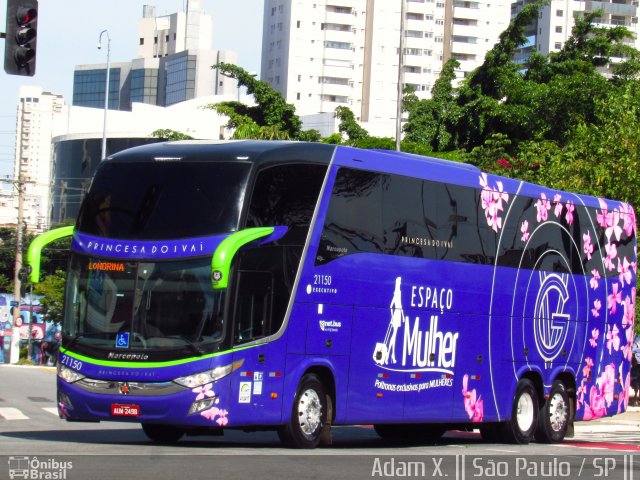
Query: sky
x=68 y=32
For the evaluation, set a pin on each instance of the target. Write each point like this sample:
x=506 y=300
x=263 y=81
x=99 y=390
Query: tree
x=168 y=134
x=272 y=117
x=349 y=126
x=432 y=121
x=52 y=291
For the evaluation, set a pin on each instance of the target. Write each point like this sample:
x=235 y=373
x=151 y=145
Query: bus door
x=256 y=390
x=376 y=387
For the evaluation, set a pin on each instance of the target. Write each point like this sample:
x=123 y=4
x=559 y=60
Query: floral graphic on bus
x=473 y=403
x=214 y=413
x=492 y=202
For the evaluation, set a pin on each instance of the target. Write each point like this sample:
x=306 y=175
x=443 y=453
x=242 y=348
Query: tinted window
x=373 y=212
x=354 y=219
x=286 y=195
x=156 y=200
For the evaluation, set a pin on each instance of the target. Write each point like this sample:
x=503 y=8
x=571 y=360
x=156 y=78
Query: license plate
x=125 y=410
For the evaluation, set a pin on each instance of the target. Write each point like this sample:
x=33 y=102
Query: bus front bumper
x=160 y=403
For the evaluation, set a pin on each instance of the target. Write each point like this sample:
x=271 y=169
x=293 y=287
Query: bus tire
x=521 y=427
x=553 y=420
x=162 y=433
x=308 y=415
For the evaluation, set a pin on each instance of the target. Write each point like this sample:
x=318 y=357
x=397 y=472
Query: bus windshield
x=165 y=305
x=154 y=200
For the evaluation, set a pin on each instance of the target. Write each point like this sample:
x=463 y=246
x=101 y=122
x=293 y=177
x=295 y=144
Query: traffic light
x=22 y=36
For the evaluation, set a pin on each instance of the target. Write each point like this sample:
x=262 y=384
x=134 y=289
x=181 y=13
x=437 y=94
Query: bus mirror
x=223 y=256
x=35 y=249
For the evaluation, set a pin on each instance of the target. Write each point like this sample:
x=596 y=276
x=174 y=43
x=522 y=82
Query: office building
x=323 y=54
x=175 y=55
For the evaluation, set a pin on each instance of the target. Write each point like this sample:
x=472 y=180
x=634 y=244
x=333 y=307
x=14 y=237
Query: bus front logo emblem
x=551 y=323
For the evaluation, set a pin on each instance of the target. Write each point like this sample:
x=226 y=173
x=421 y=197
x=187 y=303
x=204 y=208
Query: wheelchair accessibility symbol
x=122 y=340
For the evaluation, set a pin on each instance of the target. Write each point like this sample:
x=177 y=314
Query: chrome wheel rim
x=558 y=412
x=309 y=412
x=525 y=412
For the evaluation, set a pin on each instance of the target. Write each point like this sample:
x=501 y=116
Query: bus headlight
x=68 y=375
x=208 y=376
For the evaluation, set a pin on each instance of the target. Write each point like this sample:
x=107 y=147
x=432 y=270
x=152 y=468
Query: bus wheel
x=308 y=416
x=162 y=433
x=520 y=428
x=553 y=420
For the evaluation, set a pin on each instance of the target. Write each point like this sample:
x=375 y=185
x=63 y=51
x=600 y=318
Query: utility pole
x=17 y=281
x=400 y=79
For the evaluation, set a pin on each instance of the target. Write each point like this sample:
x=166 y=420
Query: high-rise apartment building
x=322 y=54
x=175 y=55
x=32 y=165
x=555 y=22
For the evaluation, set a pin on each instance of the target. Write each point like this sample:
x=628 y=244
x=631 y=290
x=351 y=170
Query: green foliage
x=168 y=134
x=271 y=118
x=52 y=289
x=432 y=121
x=349 y=126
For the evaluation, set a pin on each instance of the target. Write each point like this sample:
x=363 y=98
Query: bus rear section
x=289 y=286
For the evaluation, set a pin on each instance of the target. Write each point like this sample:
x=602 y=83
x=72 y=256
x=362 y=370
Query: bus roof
x=255 y=151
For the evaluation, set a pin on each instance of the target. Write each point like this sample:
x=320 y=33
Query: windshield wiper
x=78 y=336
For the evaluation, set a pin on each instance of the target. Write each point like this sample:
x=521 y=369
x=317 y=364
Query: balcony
x=612 y=8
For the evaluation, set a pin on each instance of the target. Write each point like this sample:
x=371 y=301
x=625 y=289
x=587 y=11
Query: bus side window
x=252 y=314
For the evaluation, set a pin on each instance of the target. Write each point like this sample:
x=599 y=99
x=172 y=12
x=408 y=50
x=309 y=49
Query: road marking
x=9 y=413
x=51 y=410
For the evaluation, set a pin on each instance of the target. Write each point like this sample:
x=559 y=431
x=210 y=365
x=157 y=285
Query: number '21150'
x=71 y=362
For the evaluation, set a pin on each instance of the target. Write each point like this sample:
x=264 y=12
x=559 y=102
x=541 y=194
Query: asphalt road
x=36 y=443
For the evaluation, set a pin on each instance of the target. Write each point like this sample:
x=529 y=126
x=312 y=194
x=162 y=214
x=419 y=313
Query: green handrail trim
x=35 y=249
x=222 y=257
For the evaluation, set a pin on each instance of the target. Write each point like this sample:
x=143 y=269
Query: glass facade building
x=144 y=85
x=88 y=88
x=181 y=79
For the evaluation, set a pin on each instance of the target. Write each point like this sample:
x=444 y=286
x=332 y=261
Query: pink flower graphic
x=629 y=218
x=614 y=299
x=629 y=313
x=623 y=398
x=587 y=248
x=557 y=211
x=223 y=420
x=613 y=339
x=492 y=202
x=214 y=412
x=472 y=405
x=624 y=269
x=595 y=333
x=204 y=391
x=613 y=227
x=597 y=305
x=588 y=365
x=594 y=280
x=602 y=219
x=525 y=231
x=569 y=216
x=543 y=206
x=612 y=252
x=627 y=348
x=600 y=397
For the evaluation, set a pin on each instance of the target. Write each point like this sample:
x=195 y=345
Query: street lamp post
x=106 y=93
